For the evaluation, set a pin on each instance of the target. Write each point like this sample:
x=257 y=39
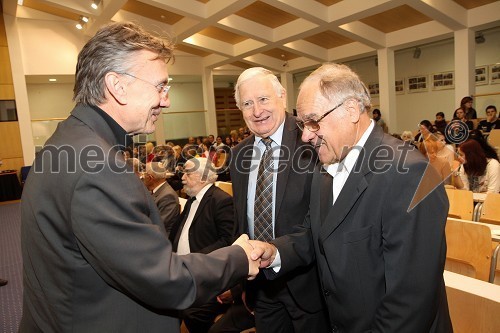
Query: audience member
x=444 y=150
x=164 y=195
x=95 y=253
x=491 y=122
x=488 y=150
x=460 y=115
x=425 y=129
x=466 y=105
x=429 y=149
x=475 y=172
x=267 y=210
x=218 y=143
x=440 y=123
x=377 y=116
x=206 y=224
x=380 y=253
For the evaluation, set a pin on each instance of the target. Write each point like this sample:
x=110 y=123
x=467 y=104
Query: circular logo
x=456 y=132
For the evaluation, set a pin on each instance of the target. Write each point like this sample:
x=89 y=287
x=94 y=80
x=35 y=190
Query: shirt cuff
x=276 y=264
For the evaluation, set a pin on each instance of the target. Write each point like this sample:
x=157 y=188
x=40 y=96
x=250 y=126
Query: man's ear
x=353 y=110
x=116 y=86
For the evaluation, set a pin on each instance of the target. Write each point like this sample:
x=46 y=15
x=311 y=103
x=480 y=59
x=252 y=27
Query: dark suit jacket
x=213 y=223
x=167 y=202
x=296 y=167
x=381 y=266
x=95 y=253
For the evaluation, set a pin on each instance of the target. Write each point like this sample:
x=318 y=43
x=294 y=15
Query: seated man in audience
x=491 y=122
x=163 y=194
x=206 y=224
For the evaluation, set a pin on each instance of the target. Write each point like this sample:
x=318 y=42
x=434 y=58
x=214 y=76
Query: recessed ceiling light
x=20 y=2
x=79 y=26
x=85 y=19
x=52 y=80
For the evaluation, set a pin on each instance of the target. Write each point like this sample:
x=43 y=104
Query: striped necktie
x=263 y=207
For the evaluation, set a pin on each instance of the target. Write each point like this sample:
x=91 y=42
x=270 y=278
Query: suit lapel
x=289 y=142
x=240 y=182
x=202 y=204
x=356 y=184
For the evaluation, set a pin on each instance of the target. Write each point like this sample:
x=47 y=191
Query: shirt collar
x=202 y=192
x=347 y=164
x=122 y=138
x=158 y=187
x=276 y=136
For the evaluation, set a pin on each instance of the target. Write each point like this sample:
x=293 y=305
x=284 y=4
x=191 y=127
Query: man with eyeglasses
x=292 y=303
x=96 y=256
x=378 y=241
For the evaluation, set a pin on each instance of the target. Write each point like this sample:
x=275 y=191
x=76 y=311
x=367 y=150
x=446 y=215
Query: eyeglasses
x=162 y=88
x=313 y=125
x=262 y=101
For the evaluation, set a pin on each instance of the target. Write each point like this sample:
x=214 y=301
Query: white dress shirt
x=183 y=246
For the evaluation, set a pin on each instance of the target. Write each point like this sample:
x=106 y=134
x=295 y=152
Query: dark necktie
x=326 y=195
x=263 y=206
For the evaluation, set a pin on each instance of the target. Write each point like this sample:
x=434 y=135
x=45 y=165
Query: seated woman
x=429 y=148
x=445 y=150
x=475 y=172
x=425 y=129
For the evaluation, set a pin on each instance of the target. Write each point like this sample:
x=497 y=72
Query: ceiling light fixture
x=95 y=4
x=52 y=80
x=417 y=53
x=480 y=38
x=20 y=2
x=85 y=19
x=81 y=22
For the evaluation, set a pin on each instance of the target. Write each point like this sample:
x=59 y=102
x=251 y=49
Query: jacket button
x=326 y=292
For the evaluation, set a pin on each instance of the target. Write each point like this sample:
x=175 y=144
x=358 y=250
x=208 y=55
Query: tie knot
x=192 y=199
x=267 y=141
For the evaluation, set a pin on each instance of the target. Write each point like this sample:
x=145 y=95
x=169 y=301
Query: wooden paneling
x=328 y=39
x=328 y=2
x=396 y=19
x=46 y=8
x=3 y=36
x=469 y=4
x=154 y=13
x=227 y=113
x=5 y=71
x=266 y=15
x=10 y=140
x=12 y=164
x=222 y=35
x=7 y=91
x=277 y=53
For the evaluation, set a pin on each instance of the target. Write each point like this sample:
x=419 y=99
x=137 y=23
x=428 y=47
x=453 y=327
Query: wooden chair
x=474 y=305
x=461 y=204
x=490 y=210
x=494 y=139
x=469 y=245
x=226 y=187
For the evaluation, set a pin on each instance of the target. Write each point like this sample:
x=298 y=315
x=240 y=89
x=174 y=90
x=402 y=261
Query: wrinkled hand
x=266 y=252
x=225 y=298
x=253 y=264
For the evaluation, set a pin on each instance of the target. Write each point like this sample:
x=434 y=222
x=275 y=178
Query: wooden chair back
x=226 y=187
x=468 y=243
x=494 y=140
x=461 y=204
x=490 y=211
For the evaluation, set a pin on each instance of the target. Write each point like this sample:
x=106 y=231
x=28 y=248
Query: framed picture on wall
x=417 y=84
x=481 y=75
x=373 y=89
x=400 y=86
x=443 y=80
x=494 y=73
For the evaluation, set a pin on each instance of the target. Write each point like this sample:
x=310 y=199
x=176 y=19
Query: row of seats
x=462 y=206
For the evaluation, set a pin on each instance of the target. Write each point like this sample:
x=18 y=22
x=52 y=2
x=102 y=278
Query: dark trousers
x=236 y=319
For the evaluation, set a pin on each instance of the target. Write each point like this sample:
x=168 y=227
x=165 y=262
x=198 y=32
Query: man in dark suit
x=164 y=195
x=206 y=224
x=96 y=257
x=293 y=302
x=378 y=239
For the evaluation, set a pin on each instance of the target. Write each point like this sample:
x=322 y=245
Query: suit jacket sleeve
x=224 y=223
x=296 y=250
x=414 y=252
x=168 y=205
x=122 y=238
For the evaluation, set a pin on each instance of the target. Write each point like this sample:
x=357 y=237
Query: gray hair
x=113 y=49
x=253 y=72
x=205 y=168
x=156 y=170
x=339 y=83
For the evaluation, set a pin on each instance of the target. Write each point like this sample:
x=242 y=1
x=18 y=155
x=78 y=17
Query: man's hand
x=266 y=252
x=253 y=264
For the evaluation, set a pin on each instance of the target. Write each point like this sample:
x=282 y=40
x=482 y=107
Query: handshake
x=259 y=254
